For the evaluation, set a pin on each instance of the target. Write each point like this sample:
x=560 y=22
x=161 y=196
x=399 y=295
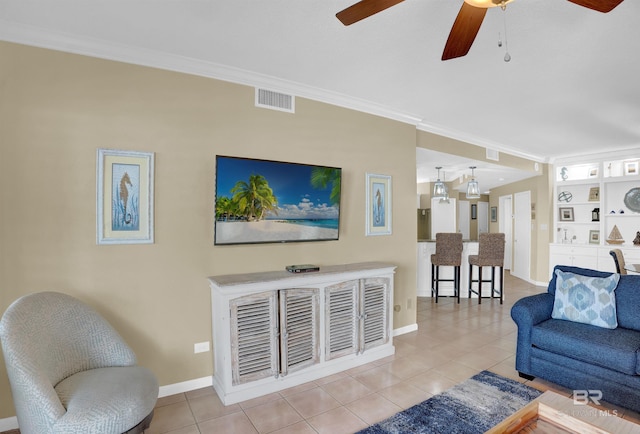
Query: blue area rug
x=473 y=406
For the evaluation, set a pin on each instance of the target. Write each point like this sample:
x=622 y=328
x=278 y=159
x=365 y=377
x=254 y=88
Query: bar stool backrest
x=449 y=248
x=491 y=249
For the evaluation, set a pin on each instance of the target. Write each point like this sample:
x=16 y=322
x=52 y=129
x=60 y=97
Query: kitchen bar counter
x=426 y=249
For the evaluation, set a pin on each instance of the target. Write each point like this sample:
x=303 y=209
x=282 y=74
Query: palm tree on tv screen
x=323 y=176
x=254 y=198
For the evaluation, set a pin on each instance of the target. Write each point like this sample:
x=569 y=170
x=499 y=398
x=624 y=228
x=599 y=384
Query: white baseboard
x=185 y=386
x=8 y=424
x=406 y=329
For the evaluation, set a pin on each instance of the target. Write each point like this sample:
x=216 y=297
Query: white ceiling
x=572 y=86
x=456 y=171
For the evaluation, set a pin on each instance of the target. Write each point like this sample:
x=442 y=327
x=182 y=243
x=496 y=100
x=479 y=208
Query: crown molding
x=477 y=141
x=36 y=36
x=42 y=38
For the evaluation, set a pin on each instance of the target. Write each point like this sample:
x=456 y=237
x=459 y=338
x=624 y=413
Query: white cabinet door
x=577 y=255
x=375 y=307
x=357 y=316
x=342 y=319
x=254 y=337
x=299 y=327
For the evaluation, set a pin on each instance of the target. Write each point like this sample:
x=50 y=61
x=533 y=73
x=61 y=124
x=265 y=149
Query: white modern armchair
x=70 y=371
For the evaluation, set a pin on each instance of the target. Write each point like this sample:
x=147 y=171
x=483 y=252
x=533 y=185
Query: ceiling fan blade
x=464 y=31
x=598 y=5
x=364 y=9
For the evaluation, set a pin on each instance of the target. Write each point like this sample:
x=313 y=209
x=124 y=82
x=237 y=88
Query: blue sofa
x=582 y=356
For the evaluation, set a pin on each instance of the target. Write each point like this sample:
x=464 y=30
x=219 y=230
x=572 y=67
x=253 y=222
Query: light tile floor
x=453 y=342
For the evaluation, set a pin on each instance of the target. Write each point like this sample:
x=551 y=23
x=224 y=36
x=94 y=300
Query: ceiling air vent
x=275 y=100
x=492 y=154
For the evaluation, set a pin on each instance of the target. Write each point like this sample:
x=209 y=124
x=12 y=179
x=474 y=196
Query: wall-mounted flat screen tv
x=262 y=201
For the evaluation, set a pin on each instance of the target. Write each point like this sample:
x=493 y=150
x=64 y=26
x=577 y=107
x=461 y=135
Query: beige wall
x=541 y=222
x=56 y=109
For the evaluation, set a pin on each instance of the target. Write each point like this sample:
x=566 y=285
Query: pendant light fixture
x=473 y=189
x=445 y=198
x=439 y=188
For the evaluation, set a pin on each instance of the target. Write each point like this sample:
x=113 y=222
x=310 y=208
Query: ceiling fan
x=467 y=23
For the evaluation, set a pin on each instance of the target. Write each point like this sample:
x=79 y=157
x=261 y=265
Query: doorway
x=522 y=236
x=505 y=225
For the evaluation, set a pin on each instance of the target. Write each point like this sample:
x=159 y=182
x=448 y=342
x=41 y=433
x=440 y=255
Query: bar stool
x=448 y=253
x=618 y=259
x=490 y=254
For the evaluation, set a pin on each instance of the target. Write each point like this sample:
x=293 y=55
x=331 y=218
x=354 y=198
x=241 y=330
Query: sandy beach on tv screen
x=269 y=230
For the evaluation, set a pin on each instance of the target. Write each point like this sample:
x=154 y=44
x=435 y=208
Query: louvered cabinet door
x=375 y=312
x=341 y=319
x=299 y=329
x=254 y=337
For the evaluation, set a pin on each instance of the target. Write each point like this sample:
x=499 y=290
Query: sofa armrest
x=527 y=312
x=532 y=310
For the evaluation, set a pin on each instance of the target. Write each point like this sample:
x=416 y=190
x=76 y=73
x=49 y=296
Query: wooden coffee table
x=552 y=413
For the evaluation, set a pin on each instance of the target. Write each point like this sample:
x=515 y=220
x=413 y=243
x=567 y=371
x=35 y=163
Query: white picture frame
x=378 y=205
x=124 y=204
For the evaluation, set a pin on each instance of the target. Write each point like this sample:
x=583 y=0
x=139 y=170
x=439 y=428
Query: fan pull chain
x=507 y=56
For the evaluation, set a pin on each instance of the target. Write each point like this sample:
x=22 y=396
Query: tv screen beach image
x=261 y=201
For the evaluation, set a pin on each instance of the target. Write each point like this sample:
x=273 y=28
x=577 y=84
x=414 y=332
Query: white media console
x=275 y=330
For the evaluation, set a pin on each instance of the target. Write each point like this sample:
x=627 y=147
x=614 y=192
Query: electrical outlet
x=201 y=347
x=396 y=308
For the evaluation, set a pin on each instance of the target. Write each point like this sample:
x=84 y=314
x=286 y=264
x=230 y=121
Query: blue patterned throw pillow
x=584 y=299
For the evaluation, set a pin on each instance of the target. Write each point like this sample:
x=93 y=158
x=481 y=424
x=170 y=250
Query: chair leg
x=479 y=285
x=470 y=281
x=501 y=284
x=458 y=283
x=493 y=281
x=437 y=281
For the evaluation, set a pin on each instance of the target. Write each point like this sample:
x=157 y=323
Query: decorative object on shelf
x=566 y=214
x=632 y=199
x=565 y=196
x=612 y=212
x=615 y=237
x=621 y=211
x=439 y=187
x=494 y=213
x=378 y=205
x=593 y=172
x=594 y=237
x=473 y=189
x=636 y=240
x=595 y=215
x=594 y=194
x=563 y=173
x=631 y=168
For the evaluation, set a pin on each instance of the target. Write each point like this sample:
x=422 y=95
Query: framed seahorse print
x=378 y=205
x=124 y=197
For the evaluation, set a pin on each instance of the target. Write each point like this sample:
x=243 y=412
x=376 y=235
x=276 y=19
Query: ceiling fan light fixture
x=487 y=3
x=473 y=189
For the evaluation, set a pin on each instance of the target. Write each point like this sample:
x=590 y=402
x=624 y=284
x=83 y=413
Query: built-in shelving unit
x=589 y=201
